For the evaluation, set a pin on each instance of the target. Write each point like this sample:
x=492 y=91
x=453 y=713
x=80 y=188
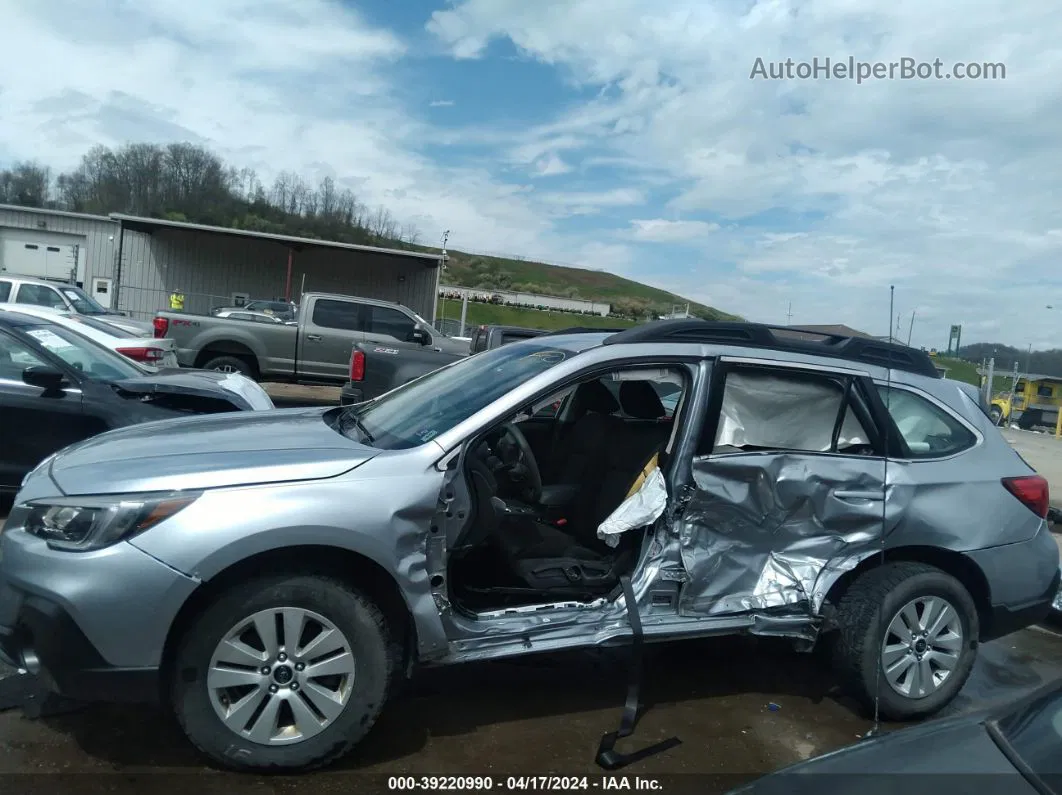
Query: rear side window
x=768 y=409
x=5 y=291
x=342 y=315
x=928 y=430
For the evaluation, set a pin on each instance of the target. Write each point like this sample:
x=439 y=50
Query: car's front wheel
x=996 y=415
x=907 y=638
x=283 y=673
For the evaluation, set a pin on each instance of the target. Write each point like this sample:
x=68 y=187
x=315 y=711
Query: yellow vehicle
x=1035 y=401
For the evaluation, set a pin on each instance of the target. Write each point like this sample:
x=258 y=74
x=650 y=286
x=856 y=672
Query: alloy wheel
x=281 y=676
x=922 y=646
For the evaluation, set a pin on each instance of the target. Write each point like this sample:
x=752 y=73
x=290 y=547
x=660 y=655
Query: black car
x=58 y=387
x=1013 y=750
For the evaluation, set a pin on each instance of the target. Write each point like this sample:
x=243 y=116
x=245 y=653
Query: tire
x=996 y=413
x=373 y=659
x=864 y=616
x=231 y=364
x=1029 y=420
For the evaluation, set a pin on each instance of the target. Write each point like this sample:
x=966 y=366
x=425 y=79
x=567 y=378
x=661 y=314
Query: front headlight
x=82 y=524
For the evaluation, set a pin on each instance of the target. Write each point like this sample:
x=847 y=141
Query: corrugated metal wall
x=98 y=251
x=209 y=268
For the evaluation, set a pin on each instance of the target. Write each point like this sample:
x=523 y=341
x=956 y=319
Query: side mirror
x=46 y=378
x=419 y=336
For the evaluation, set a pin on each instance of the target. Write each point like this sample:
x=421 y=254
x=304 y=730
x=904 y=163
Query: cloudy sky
x=627 y=135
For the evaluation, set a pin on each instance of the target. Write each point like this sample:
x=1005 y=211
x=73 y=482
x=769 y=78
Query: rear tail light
x=1033 y=492
x=357 y=366
x=145 y=355
x=162 y=325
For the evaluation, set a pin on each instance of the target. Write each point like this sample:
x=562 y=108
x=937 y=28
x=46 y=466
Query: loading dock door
x=43 y=256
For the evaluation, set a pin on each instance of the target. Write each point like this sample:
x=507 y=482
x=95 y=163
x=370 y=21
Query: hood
x=240 y=391
x=959 y=746
x=212 y=451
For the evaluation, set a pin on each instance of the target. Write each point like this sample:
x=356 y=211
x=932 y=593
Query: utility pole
x=988 y=381
x=910 y=329
x=789 y=315
x=892 y=295
x=1028 y=359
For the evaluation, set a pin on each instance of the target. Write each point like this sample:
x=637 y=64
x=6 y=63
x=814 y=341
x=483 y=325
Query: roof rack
x=782 y=338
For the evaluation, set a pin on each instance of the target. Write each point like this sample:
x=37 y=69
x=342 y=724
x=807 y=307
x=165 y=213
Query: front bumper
x=49 y=645
x=92 y=626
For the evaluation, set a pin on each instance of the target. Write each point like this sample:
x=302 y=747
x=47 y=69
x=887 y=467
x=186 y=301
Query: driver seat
x=546 y=558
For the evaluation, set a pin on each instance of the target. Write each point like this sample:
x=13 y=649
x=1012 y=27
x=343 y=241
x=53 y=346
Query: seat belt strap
x=607 y=755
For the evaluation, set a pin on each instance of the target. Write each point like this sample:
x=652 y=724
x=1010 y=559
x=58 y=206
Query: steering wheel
x=525 y=468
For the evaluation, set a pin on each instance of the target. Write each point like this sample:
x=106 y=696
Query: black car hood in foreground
x=213 y=451
x=194 y=383
x=943 y=757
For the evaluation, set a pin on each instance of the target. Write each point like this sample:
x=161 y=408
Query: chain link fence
x=452 y=327
x=143 y=302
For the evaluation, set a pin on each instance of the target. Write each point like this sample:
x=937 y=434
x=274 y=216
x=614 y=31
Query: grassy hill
x=495 y=314
x=629 y=299
x=961 y=370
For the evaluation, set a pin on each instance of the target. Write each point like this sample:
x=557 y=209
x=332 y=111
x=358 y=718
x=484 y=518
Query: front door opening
x=542 y=484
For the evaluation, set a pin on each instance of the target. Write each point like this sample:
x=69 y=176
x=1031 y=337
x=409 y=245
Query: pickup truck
x=316 y=349
x=376 y=369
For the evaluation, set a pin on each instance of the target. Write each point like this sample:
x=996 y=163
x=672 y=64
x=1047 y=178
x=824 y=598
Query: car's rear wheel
x=283 y=673
x=907 y=638
x=996 y=413
x=230 y=364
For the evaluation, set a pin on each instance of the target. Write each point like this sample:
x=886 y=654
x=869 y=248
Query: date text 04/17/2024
x=475 y=784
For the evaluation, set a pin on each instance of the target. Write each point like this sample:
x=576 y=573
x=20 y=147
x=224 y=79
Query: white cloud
x=550 y=166
x=825 y=192
x=270 y=84
x=946 y=188
x=441 y=103
x=660 y=230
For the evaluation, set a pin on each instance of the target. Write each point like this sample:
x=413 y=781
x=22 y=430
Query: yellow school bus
x=1035 y=401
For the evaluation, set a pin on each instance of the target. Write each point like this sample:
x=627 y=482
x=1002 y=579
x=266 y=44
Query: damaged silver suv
x=271 y=575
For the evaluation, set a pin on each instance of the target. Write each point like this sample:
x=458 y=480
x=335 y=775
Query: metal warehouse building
x=132 y=263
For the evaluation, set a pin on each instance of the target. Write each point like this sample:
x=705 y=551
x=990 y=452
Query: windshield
x=1034 y=732
x=82 y=304
x=95 y=361
x=420 y=410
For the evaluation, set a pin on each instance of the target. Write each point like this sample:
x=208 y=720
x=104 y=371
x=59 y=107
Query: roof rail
x=782 y=338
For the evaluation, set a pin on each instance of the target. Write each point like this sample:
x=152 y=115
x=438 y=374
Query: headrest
x=594 y=396
x=639 y=400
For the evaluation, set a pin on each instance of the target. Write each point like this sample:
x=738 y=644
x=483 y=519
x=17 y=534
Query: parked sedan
x=255 y=317
x=146 y=351
x=58 y=387
x=1013 y=750
x=285 y=310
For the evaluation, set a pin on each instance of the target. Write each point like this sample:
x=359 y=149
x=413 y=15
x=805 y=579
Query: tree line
x=187 y=182
x=1042 y=362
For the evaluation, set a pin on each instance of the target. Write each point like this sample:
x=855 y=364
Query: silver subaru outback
x=270 y=576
